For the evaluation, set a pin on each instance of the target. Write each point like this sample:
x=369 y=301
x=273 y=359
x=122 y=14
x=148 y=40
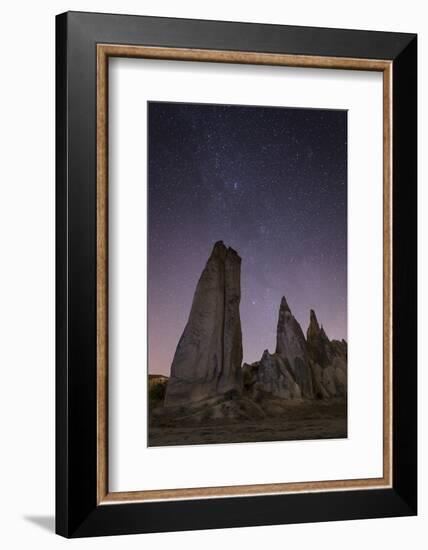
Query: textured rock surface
x=271 y=375
x=232 y=335
x=300 y=368
x=329 y=361
x=291 y=346
x=317 y=341
x=208 y=358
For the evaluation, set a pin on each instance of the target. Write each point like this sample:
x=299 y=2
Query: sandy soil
x=297 y=421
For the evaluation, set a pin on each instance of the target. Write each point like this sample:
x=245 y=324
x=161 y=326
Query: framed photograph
x=236 y=274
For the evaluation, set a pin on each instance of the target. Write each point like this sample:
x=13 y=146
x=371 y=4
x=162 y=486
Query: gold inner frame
x=104 y=51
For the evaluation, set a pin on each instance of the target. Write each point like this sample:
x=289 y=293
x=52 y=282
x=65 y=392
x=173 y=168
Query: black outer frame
x=77 y=513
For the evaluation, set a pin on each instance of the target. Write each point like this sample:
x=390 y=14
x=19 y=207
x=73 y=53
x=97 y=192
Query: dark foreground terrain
x=241 y=419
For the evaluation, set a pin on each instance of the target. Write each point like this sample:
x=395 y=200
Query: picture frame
x=84 y=44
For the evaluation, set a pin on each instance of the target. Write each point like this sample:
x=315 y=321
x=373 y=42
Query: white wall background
x=27 y=271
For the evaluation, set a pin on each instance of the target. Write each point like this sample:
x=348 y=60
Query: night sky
x=269 y=182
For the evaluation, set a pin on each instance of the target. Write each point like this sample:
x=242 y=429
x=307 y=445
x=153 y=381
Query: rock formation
x=329 y=361
x=300 y=368
x=317 y=341
x=208 y=358
x=207 y=361
x=291 y=346
x=287 y=372
x=272 y=375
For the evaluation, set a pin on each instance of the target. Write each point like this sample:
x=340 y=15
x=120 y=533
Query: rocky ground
x=237 y=419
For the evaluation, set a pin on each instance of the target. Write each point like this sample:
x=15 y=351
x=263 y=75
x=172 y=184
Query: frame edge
x=103 y=520
x=61 y=268
x=405 y=274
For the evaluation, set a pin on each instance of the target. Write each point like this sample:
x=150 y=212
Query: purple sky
x=271 y=183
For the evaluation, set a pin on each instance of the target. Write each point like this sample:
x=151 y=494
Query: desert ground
x=242 y=420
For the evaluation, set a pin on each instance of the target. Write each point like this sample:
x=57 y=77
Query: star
x=272 y=184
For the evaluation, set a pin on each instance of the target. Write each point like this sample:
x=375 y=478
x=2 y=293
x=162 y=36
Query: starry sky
x=271 y=182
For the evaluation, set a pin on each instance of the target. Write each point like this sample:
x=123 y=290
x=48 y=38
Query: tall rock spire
x=329 y=361
x=291 y=346
x=318 y=342
x=313 y=322
x=232 y=335
x=208 y=357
